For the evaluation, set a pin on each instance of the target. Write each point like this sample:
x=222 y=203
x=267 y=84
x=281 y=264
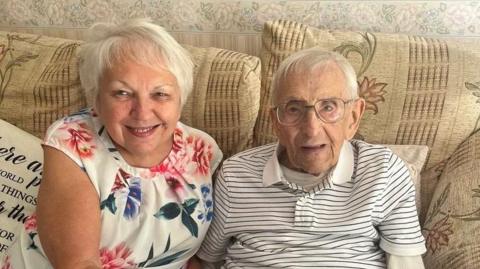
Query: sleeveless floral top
x=150 y=218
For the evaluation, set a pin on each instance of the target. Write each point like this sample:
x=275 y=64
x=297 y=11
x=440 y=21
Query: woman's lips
x=142 y=131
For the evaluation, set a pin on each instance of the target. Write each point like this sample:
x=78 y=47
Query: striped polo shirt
x=364 y=208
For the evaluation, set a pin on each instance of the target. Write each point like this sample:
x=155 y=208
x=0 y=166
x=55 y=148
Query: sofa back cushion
x=40 y=84
x=418 y=90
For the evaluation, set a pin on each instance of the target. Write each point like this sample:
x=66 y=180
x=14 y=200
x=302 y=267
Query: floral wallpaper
x=450 y=18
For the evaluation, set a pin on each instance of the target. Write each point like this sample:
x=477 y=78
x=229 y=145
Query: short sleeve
x=400 y=232
x=72 y=136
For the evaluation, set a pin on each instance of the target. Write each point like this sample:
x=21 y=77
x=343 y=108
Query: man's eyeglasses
x=328 y=110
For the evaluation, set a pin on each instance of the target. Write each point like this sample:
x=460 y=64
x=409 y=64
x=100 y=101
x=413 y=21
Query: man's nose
x=312 y=123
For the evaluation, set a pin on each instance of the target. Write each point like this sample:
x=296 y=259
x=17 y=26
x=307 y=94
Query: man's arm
x=399 y=228
x=404 y=262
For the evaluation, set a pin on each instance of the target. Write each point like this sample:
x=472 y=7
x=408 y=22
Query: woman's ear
x=358 y=107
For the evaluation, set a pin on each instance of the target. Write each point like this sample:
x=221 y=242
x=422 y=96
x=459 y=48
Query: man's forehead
x=320 y=82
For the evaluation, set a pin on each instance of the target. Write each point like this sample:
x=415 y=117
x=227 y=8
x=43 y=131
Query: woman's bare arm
x=68 y=214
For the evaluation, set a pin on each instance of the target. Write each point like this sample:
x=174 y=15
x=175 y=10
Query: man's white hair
x=308 y=59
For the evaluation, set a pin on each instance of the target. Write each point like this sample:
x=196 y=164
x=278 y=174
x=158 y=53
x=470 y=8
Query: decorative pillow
x=414 y=156
x=452 y=225
x=418 y=90
x=40 y=80
x=21 y=159
x=226 y=97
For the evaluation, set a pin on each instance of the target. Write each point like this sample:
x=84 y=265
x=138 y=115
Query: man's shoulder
x=257 y=156
x=363 y=149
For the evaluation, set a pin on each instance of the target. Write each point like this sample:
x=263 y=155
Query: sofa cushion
x=452 y=226
x=418 y=90
x=226 y=97
x=414 y=156
x=21 y=159
x=41 y=84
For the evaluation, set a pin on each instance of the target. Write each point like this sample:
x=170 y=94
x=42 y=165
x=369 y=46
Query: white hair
x=138 y=40
x=308 y=59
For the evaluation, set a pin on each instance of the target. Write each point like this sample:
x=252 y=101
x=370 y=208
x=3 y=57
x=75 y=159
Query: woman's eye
x=121 y=93
x=160 y=95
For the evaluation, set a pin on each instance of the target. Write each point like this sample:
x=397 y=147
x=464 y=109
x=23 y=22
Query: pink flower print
x=31 y=224
x=120 y=178
x=80 y=140
x=176 y=188
x=174 y=184
x=202 y=155
x=118 y=258
x=178 y=142
x=6 y=263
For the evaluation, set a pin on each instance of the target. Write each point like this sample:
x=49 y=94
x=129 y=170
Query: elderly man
x=317 y=198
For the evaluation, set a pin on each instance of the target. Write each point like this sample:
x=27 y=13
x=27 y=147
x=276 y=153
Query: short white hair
x=138 y=40
x=308 y=59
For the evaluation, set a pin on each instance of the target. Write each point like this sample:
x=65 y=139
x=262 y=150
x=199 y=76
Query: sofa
x=422 y=95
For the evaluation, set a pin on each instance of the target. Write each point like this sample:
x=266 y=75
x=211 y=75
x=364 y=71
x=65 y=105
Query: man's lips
x=316 y=147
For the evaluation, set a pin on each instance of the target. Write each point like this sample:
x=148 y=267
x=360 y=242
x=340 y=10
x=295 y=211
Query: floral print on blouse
x=150 y=217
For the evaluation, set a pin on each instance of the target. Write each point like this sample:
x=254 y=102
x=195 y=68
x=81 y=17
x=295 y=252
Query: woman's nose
x=142 y=109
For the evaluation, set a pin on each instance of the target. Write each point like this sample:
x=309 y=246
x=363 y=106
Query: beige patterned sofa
x=419 y=91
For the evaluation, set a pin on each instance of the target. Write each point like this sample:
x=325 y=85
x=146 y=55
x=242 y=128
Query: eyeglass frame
x=306 y=107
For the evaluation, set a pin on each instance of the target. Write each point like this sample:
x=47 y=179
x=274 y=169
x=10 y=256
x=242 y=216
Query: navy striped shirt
x=364 y=208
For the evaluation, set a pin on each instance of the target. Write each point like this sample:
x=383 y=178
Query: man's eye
x=328 y=106
x=293 y=109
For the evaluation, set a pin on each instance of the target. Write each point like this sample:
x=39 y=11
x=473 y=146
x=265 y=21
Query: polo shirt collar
x=341 y=173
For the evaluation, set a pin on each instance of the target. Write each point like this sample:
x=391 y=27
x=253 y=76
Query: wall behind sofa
x=237 y=24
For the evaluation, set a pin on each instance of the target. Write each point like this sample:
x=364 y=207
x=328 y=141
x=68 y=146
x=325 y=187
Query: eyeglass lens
x=328 y=110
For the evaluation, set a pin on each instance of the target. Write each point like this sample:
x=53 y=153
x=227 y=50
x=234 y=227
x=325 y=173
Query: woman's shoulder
x=199 y=141
x=188 y=132
x=81 y=124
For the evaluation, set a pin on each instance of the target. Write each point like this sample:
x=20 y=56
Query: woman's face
x=140 y=107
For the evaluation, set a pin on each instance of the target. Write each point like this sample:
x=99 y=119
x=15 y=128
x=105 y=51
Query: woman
x=125 y=184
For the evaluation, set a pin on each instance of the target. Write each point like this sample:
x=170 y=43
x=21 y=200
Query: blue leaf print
x=109 y=203
x=190 y=223
x=150 y=256
x=167 y=259
x=168 y=211
x=134 y=199
x=190 y=205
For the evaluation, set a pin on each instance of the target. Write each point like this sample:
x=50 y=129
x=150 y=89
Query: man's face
x=312 y=145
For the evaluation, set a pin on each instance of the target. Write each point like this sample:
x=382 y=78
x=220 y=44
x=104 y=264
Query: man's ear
x=358 y=107
x=273 y=118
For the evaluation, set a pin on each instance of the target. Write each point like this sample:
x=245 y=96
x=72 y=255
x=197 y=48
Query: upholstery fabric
x=414 y=156
x=418 y=90
x=226 y=97
x=452 y=226
x=20 y=175
x=40 y=84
